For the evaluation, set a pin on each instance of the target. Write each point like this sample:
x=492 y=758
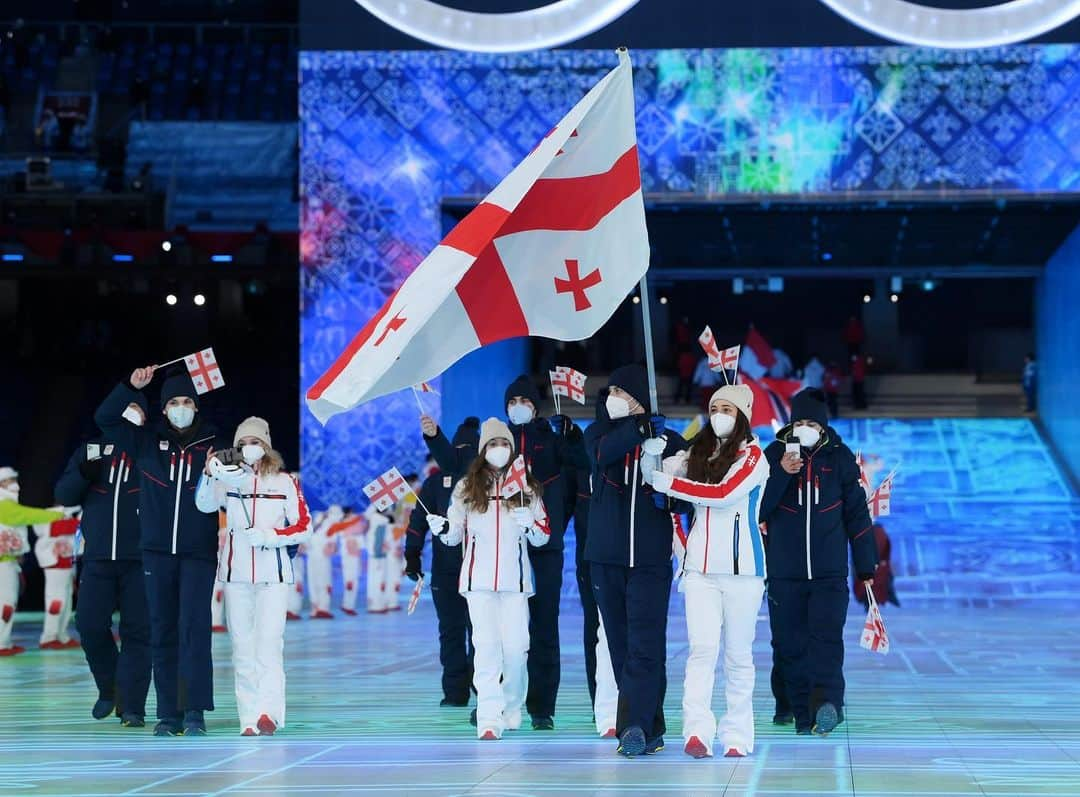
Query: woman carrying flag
x=496 y=575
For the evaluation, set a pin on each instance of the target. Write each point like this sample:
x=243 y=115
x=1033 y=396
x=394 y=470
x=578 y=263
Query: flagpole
x=416 y=395
x=646 y=325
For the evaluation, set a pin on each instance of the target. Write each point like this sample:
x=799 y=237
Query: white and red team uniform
x=723 y=579
x=319 y=566
x=396 y=566
x=295 y=605
x=497 y=581
x=264 y=515
x=55 y=554
x=379 y=547
x=217 y=603
x=348 y=533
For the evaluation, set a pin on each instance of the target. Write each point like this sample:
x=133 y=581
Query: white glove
x=254 y=536
x=661 y=481
x=523 y=516
x=437 y=524
x=228 y=474
x=654 y=446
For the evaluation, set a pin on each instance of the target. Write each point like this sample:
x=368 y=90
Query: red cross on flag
x=729 y=358
x=712 y=351
x=566 y=381
x=387 y=490
x=880 y=502
x=551 y=252
x=515 y=478
x=864 y=477
x=874 y=636
x=204 y=370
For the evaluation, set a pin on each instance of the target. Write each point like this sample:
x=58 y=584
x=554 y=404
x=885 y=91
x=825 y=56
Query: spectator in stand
x=814 y=373
x=854 y=335
x=1029 y=379
x=681 y=337
x=858 y=381
x=685 y=364
x=706 y=381
x=882 y=584
x=831 y=383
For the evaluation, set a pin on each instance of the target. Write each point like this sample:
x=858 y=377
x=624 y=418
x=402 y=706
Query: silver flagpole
x=646 y=325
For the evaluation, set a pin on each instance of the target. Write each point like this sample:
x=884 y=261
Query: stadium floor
x=969 y=701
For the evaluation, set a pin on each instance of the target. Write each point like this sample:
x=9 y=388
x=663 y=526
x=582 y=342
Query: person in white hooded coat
x=266 y=514
x=722 y=476
x=496 y=575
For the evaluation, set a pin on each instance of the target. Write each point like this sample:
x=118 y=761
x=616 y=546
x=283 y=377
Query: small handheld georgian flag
x=864 y=477
x=729 y=358
x=387 y=490
x=712 y=351
x=515 y=478
x=568 y=382
x=874 y=636
x=424 y=387
x=204 y=370
x=880 y=503
x=415 y=599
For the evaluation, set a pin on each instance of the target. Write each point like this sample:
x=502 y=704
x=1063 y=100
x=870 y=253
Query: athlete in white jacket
x=319 y=565
x=723 y=571
x=496 y=575
x=55 y=553
x=266 y=513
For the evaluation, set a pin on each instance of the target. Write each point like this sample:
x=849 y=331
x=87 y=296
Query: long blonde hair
x=271 y=463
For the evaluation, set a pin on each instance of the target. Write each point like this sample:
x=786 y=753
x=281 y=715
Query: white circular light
x=166 y=246
x=957 y=29
x=866 y=298
x=550 y=25
x=894 y=298
x=663 y=300
x=170 y=299
x=199 y=299
x=637 y=300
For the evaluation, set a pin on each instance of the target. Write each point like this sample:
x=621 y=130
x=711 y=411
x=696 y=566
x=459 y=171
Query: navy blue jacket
x=616 y=537
x=435 y=494
x=101 y=476
x=822 y=508
x=170 y=464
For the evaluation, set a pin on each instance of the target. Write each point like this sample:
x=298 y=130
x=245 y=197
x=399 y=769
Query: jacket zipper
x=735 y=547
x=179 y=482
x=498 y=511
x=254 y=497
x=116 y=504
x=633 y=509
x=809 y=472
x=705 y=564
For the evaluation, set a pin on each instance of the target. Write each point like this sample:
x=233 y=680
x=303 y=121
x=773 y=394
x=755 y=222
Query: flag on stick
x=568 y=382
x=515 y=478
x=415 y=599
x=387 y=490
x=204 y=370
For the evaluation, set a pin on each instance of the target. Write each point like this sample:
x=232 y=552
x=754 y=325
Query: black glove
x=865 y=576
x=651 y=426
x=91 y=469
x=560 y=424
x=412 y=565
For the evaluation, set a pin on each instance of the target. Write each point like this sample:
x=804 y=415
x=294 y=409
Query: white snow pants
x=606 y=705
x=377 y=594
x=500 y=635
x=719 y=606
x=350 y=572
x=256 y=614
x=319 y=575
x=9 y=599
x=296 y=591
x=59 y=592
x=395 y=567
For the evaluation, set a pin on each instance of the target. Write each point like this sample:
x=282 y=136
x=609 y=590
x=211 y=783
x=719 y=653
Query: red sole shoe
x=292 y=616
x=350 y=612
x=218 y=629
x=14 y=650
x=54 y=645
x=695 y=748
x=609 y=734
x=320 y=615
x=733 y=753
x=266 y=726
x=488 y=736
x=249 y=732
x=72 y=643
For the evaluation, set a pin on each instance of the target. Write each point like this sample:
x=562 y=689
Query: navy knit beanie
x=179 y=384
x=809 y=405
x=522 y=386
x=634 y=380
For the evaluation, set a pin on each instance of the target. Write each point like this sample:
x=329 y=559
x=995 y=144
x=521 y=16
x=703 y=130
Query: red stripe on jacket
x=693 y=489
x=304 y=519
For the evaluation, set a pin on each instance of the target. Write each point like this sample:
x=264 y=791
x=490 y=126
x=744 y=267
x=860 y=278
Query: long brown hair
x=479 y=479
x=709 y=464
x=271 y=463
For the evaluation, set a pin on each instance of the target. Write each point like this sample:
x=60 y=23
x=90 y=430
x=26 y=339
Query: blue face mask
x=519 y=413
x=180 y=417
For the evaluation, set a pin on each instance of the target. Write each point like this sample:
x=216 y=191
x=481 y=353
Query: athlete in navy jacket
x=179 y=543
x=102 y=477
x=814 y=509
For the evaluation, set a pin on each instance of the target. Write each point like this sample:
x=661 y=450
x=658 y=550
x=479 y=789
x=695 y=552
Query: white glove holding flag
x=437 y=524
x=661 y=481
x=523 y=516
x=651 y=449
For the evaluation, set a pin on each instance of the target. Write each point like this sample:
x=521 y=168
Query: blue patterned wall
x=386 y=135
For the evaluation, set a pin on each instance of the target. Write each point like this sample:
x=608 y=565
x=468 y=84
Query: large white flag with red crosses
x=204 y=370
x=551 y=252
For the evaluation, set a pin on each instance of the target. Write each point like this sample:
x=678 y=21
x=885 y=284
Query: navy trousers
x=633 y=602
x=121 y=675
x=455 y=634
x=179 y=590
x=543 y=663
x=807 y=623
x=588 y=606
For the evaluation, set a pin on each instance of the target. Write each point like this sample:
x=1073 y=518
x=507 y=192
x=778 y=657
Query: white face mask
x=497 y=456
x=723 y=425
x=132 y=415
x=617 y=407
x=253 y=453
x=808 y=436
x=180 y=417
x=519 y=413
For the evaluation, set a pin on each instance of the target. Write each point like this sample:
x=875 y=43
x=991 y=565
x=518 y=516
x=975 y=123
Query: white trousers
x=59 y=589
x=395 y=567
x=256 y=615
x=500 y=635
x=721 y=607
x=9 y=599
x=350 y=572
x=217 y=606
x=606 y=705
x=377 y=594
x=318 y=575
x=296 y=590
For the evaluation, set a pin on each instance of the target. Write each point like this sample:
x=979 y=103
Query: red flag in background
x=756 y=342
x=772 y=399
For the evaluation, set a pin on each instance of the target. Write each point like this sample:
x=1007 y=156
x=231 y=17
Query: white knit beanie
x=7 y=473
x=493 y=428
x=739 y=395
x=253 y=427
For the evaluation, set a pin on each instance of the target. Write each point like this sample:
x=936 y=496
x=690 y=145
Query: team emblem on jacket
x=447 y=481
x=163 y=445
x=93 y=451
x=109 y=449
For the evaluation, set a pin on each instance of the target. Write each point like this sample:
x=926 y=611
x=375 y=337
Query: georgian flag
x=552 y=252
x=204 y=370
x=387 y=490
x=729 y=359
x=880 y=504
x=515 y=478
x=712 y=351
x=566 y=381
